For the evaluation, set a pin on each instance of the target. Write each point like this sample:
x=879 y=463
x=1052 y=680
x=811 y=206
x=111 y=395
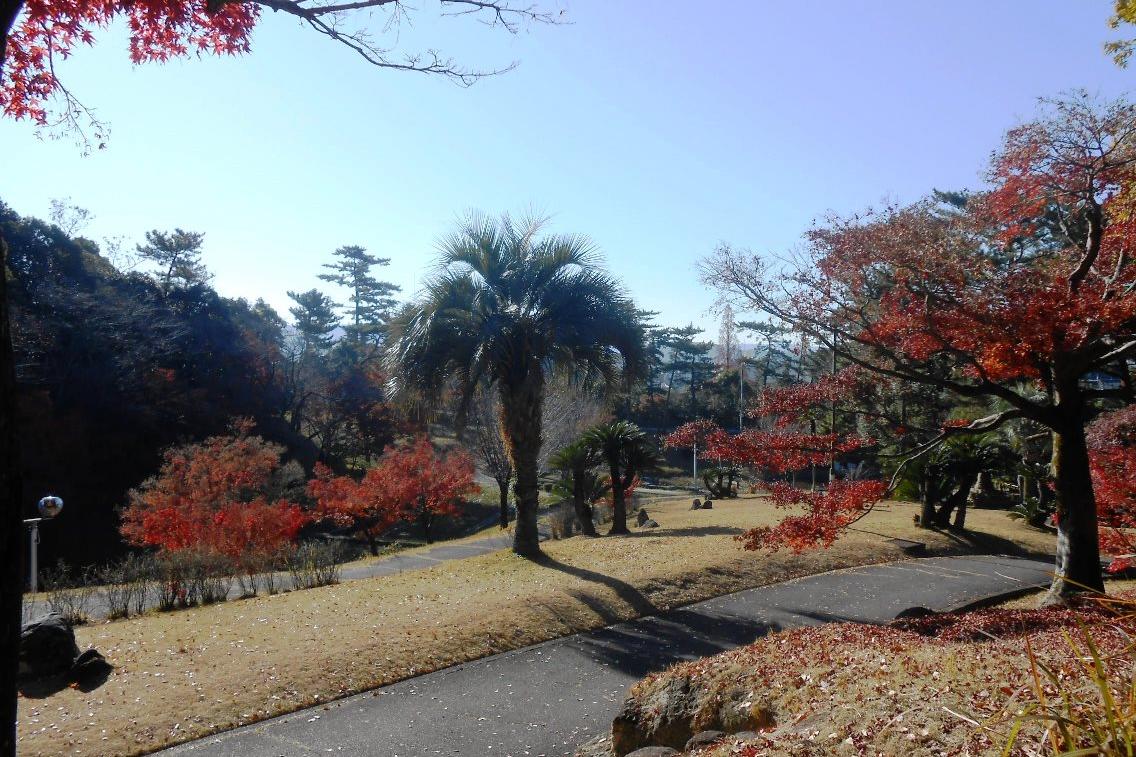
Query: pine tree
x=177 y=255
x=315 y=319
x=370 y=301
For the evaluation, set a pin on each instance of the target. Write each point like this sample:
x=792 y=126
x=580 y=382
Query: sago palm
x=582 y=483
x=506 y=308
x=627 y=452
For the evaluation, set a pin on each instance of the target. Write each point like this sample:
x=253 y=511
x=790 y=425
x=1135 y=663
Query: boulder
x=696 y=505
x=704 y=738
x=47 y=648
x=649 y=523
x=641 y=517
x=653 y=751
x=90 y=669
x=708 y=504
x=669 y=711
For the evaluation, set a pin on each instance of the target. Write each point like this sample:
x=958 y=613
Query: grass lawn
x=186 y=674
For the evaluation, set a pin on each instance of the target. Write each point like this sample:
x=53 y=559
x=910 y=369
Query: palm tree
x=628 y=452
x=581 y=482
x=507 y=308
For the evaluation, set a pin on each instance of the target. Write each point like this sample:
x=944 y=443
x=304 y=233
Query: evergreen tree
x=177 y=255
x=370 y=301
x=315 y=319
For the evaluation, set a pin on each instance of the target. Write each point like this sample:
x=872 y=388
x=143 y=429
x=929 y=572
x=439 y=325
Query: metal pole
x=34 y=553
x=695 y=474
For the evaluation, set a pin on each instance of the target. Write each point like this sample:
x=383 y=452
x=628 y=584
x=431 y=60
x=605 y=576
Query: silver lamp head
x=50 y=506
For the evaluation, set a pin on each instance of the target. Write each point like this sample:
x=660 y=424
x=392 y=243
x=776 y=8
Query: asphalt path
x=549 y=698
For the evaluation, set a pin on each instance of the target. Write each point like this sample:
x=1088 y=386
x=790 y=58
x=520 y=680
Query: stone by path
x=549 y=698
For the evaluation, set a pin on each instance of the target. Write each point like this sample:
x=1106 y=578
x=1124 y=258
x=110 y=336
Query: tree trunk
x=618 y=505
x=927 y=513
x=1078 y=549
x=11 y=522
x=503 y=487
x=521 y=405
x=957 y=500
x=584 y=515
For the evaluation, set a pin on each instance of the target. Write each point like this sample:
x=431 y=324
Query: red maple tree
x=213 y=497
x=411 y=483
x=1013 y=295
x=1112 y=455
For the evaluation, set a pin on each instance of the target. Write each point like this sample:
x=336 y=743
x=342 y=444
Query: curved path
x=549 y=698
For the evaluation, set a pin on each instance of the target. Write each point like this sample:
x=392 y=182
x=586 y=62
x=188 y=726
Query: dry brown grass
x=184 y=675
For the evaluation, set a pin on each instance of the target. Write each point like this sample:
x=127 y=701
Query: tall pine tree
x=370 y=301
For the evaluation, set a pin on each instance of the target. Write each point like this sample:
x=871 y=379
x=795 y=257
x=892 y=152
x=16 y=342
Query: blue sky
x=657 y=129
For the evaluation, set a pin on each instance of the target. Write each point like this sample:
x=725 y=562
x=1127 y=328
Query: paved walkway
x=549 y=698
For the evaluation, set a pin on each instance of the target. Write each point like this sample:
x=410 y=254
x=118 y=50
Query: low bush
x=314 y=563
x=125 y=585
x=68 y=593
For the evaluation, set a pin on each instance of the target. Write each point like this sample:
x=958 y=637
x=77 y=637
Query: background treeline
x=116 y=363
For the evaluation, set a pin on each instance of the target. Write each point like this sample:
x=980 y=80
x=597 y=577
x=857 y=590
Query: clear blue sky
x=657 y=129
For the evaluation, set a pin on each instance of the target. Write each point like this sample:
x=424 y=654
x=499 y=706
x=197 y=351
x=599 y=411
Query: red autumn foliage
x=212 y=496
x=49 y=30
x=1112 y=457
x=409 y=483
x=788 y=403
x=826 y=514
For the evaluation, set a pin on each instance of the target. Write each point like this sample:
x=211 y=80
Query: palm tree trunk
x=521 y=406
x=583 y=507
x=503 y=488
x=618 y=505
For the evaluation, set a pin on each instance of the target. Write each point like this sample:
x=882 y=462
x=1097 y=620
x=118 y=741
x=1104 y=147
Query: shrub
x=125 y=585
x=562 y=521
x=314 y=564
x=68 y=593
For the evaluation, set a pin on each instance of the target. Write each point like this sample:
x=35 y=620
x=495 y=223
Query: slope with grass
x=184 y=675
x=990 y=681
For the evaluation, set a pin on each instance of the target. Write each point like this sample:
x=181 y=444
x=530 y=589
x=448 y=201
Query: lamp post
x=48 y=507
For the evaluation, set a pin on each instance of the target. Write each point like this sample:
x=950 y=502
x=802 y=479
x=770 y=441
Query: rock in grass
x=47 y=648
x=641 y=517
x=696 y=504
x=649 y=523
x=704 y=738
x=708 y=504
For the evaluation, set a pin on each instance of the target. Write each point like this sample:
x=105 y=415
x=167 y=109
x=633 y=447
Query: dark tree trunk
x=957 y=500
x=618 y=505
x=11 y=530
x=427 y=521
x=521 y=419
x=503 y=488
x=960 y=516
x=1078 y=550
x=584 y=515
x=927 y=513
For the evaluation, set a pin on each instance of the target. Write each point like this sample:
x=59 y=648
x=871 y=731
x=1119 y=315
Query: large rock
x=653 y=751
x=47 y=648
x=669 y=710
x=649 y=523
x=641 y=517
x=696 y=504
x=708 y=504
x=703 y=738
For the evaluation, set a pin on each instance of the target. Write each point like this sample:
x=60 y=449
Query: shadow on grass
x=625 y=591
x=41 y=688
x=691 y=531
x=980 y=542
